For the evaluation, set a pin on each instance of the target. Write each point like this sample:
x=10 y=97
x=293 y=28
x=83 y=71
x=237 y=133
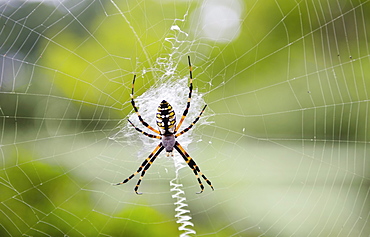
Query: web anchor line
x=182 y=214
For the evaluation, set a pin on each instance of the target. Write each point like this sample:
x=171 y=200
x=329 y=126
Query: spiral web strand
x=183 y=214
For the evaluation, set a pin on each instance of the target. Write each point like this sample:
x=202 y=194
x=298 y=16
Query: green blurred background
x=286 y=83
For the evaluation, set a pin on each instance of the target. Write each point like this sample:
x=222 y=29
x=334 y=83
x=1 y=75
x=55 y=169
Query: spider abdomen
x=166 y=118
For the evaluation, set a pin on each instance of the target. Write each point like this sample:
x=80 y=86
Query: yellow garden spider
x=167 y=132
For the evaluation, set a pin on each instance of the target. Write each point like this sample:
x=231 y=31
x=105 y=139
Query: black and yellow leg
x=144 y=164
x=137 y=111
x=189 y=97
x=199 y=181
x=146 y=134
x=191 y=163
x=147 y=166
x=193 y=123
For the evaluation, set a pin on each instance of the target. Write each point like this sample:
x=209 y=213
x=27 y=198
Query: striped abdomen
x=166 y=119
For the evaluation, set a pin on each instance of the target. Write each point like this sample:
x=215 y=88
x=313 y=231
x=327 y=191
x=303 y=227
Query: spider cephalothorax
x=167 y=133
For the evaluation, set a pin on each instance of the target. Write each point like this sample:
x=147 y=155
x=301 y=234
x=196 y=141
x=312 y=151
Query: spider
x=167 y=133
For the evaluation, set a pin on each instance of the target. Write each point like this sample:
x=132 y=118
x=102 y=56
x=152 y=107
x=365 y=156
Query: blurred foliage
x=42 y=198
x=287 y=60
x=297 y=74
x=98 y=69
x=39 y=197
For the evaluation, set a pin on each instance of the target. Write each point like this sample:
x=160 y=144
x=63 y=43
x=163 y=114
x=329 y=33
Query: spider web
x=284 y=138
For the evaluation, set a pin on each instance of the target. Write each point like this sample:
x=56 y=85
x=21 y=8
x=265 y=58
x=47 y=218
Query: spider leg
x=192 y=124
x=189 y=97
x=137 y=111
x=193 y=166
x=146 y=164
x=147 y=167
x=146 y=134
